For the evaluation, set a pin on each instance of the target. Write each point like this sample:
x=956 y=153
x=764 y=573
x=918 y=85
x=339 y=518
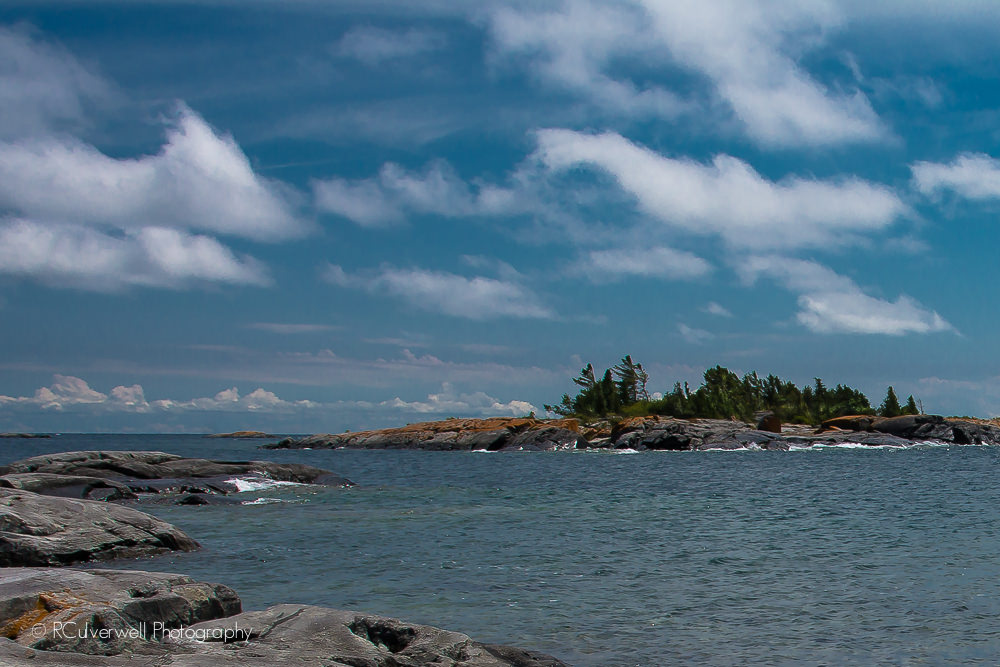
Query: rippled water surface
x=832 y=556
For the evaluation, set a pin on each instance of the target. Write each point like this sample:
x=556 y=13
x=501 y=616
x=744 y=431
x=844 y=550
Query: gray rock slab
x=37 y=530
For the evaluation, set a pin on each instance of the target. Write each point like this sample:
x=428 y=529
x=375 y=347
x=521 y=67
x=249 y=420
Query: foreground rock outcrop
x=45 y=530
x=116 y=618
x=122 y=475
x=454 y=434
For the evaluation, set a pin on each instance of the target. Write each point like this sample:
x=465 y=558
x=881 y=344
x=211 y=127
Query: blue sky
x=309 y=216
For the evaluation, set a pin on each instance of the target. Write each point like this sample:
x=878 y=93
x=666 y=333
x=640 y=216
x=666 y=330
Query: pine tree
x=890 y=406
x=911 y=407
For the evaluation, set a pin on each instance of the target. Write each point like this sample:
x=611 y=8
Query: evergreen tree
x=890 y=406
x=911 y=407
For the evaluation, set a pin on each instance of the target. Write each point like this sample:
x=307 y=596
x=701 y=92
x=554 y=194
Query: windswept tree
x=631 y=381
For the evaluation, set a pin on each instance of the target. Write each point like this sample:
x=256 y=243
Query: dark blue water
x=823 y=557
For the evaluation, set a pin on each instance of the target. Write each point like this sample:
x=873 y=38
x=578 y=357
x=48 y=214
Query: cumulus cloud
x=746 y=51
x=476 y=298
x=68 y=392
x=657 y=262
x=74 y=395
x=832 y=303
x=374 y=46
x=85 y=258
x=199 y=180
x=451 y=402
x=42 y=87
x=728 y=197
x=970 y=175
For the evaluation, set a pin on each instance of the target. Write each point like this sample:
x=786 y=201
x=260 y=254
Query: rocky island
x=657 y=433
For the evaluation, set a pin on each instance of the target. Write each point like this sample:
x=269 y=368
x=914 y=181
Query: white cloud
x=713 y=308
x=728 y=197
x=73 y=394
x=656 y=262
x=42 y=87
x=694 y=336
x=386 y=198
x=832 y=303
x=199 y=180
x=374 y=46
x=747 y=51
x=85 y=258
x=570 y=47
x=476 y=298
x=970 y=175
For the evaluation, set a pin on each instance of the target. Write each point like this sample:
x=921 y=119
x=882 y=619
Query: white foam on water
x=244 y=484
x=264 y=501
x=752 y=447
x=625 y=451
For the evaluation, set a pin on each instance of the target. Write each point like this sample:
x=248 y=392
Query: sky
x=309 y=216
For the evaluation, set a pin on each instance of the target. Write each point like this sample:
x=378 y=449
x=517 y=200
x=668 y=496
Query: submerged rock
x=166 y=619
x=45 y=530
x=454 y=434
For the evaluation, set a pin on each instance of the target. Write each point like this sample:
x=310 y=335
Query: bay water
x=829 y=556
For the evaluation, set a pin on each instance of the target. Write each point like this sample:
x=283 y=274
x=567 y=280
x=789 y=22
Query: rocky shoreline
x=656 y=433
x=64 y=509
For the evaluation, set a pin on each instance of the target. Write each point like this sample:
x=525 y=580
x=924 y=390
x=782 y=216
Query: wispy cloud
x=476 y=298
x=42 y=87
x=290 y=328
x=395 y=192
x=743 y=49
x=713 y=308
x=657 y=262
x=693 y=335
x=375 y=46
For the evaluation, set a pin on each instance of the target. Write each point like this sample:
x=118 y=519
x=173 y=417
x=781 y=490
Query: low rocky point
x=656 y=433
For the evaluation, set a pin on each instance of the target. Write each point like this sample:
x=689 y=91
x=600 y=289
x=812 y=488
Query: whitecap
x=244 y=484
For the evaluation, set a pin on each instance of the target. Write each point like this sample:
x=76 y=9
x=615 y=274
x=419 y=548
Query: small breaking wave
x=244 y=484
x=266 y=501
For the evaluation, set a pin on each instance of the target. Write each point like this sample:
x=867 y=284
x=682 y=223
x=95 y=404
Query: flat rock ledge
x=656 y=433
x=145 y=619
x=125 y=475
x=38 y=530
x=454 y=434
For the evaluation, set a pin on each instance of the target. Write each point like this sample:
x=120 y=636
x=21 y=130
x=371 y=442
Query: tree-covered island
x=622 y=391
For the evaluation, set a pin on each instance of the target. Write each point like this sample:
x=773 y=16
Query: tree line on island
x=622 y=391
